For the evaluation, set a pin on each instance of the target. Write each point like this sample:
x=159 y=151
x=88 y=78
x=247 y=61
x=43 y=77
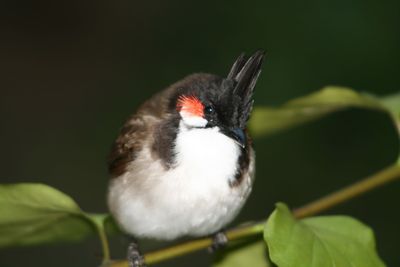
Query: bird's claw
x=219 y=240
x=134 y=257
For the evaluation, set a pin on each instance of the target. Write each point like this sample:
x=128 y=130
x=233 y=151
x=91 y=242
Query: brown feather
x=135 y=132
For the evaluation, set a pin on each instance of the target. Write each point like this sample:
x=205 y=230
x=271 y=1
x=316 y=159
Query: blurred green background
x=73 y=71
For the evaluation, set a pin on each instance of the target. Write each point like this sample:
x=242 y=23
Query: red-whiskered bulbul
x=183 y=164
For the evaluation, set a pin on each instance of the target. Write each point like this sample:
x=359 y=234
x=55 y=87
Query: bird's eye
x=208 y=110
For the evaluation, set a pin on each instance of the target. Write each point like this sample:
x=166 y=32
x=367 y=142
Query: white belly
x=194 y=198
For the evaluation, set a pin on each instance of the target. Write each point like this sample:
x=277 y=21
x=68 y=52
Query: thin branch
x=385 y=176
x=367 y=184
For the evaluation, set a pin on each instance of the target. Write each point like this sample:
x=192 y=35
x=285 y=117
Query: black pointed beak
x=239 y=136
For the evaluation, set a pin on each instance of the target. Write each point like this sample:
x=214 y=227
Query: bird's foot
x=134 y=257
x=219 y=240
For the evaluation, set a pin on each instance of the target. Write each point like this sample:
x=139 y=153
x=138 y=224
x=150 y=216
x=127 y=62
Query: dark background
x=71 y=73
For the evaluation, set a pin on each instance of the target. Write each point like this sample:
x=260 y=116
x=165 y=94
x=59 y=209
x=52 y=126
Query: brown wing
x=126 y=146
x=135 y=131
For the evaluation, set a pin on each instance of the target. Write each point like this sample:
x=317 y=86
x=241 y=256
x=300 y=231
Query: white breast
x=193 y=198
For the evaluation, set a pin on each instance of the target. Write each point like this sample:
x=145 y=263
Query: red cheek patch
x=190 y=105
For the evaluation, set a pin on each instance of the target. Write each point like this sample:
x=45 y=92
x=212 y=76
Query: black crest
x=243 y=74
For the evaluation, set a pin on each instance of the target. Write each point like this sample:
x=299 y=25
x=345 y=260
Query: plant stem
x=104 y=245
x=385 y=176
x=98 y=220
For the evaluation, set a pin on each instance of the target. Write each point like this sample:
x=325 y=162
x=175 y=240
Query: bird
x=183 y=164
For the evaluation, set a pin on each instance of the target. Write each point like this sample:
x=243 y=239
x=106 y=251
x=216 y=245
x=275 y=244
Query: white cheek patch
x=191 y=120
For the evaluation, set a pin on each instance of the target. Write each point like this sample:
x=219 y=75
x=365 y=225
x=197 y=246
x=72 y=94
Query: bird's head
x=208 y=101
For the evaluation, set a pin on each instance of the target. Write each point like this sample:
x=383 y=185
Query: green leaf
x=325 y=241
x=32 y=214
x=267 y=120
x=243 y=254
